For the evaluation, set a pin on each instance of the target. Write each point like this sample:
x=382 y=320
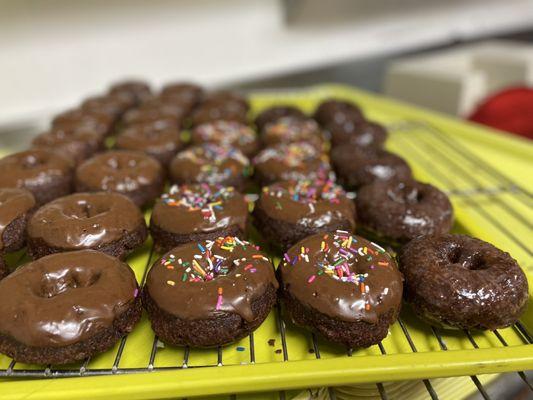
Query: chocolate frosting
x=273 y=113
x=363 y=134
x=227 y=133
x=201 y=280
x=72 y=120
x=208 y=163
x=307 y=203
x=85 y=220
x=338 y=112
x=292 y=129
x=65 y=298
x=149 y=139
x=159 y=116
x=109 y=104
x=119 y=171
x=200 y=208
x=292 y=161
x=33 y=168
x=342 y=276
x=187 y=93
x=140 y=90
x=78 y=144
x=14 y=203
x=215 y=111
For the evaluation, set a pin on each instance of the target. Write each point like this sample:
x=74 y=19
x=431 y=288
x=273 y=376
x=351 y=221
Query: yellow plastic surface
x=422 y=137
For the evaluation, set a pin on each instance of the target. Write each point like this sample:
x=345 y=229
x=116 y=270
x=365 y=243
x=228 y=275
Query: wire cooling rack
x=485 y=200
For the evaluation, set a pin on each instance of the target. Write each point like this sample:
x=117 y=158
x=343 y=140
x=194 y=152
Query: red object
x=510 y=110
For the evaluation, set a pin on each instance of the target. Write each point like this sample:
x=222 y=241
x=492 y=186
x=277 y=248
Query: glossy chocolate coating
x=346 y=279
x=463 y=282
x=227 y=133
x=14 y=203
x=137 y=89
x=85 y=220
x=109 y=104
x=293 y=130
x=161 y=117
x=65 y=298
x=363 y=134
x=228 y=98
x=400 y=211
x=78 y=145
x=274 y=113
x=334 y=111
x=33 y=169
x=219 y=111
x=310 y=204
x=119 y=171
x=208 y=163
x=200 y=208
x=91 y=120
x=292 y=161
x=197 y=280
x=187 y=93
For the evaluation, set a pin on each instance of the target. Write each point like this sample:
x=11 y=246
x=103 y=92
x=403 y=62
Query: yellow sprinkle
x=198 y=268
x=171 y=283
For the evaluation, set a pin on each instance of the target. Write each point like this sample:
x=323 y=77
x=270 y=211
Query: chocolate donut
x=456 y=281
x=97 y=122
x=107 y=222
x=16 y=206
x=210 y=112
x=160 y=143
x=293 y=161
x=67 y=307
x=274 y=113
x=344 y=287
x=156 y=113
x=228 y=98
x=137 y=89
x=43 y=172
x=132 y=173
x=362 y=134
x=357 y=166
x=183 y=92
x=78 y=144
x=195 y=213
x=398 y=211
x=210 y=163
x=209 y=293
x=292 y=130
x=287 y=212
x=227 y=133
x=111 y=105
x=337 y=111
x=4 y=269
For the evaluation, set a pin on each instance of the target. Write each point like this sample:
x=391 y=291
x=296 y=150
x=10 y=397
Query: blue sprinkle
x=240 y=348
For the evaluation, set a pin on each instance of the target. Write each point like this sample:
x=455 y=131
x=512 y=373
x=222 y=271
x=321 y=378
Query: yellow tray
x=491 y=203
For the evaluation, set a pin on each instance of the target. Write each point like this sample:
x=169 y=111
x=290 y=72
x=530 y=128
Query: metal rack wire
x=417 y=147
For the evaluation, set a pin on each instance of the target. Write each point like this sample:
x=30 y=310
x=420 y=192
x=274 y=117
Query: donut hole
x=53 y=285
x=475 y=261
x=83 y=209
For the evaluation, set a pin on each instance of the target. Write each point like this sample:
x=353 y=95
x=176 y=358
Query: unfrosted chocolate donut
x=227 y=133
x=456 y=281
x=160 y=143
x=209 y=293
x=336 y=111
x=287 y=212
x=16 y=207
x=132 y=173
x=292 y=129
x=78 y=144
x=43 y=172
x=293 y=161
x=362 y=134
x=107 y=222
x=212 y=164
x=399 y=211
x=274 y=113
x=342 y=286
x=357 y=166
x=192 y=213
x=67 y=307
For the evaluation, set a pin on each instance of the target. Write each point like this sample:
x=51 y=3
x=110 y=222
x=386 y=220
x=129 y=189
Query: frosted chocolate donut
x=107 y=222
x=183 y=92
x=293 y=161
x=342 y=286
x=156 y=112
x=362 y=134
x=213 y=111
x=192 y=213
x=397 y=212
x=91 y=120
x=67 y=307
x=336 y=111
x=209 y=293
x=16 y=207
x=212 y=164
x=137 y=89
x=287 y=212
x=45 y=173
x=274 y=113
x=456 y=281
x=111 y=105
x=293 y=130
x=131 y=173
x=227 y=133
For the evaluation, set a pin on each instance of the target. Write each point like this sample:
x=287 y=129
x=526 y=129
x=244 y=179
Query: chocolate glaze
x=85 y=220
x=338 y=112
x=119 y=171
x=75 y=119
x=372 y=287
x=463 y=282
x=273 y=113
x=65 y=298
x=307 y=203
x=215 y=111
x=14 y=203
x=139 y=90
x=150 y=139
x=227 y=133
x=162 y=117
x=192 y=292
x=187 y=93
x=363 y=134
x=208 y=163
x=33 y=168
x=230 y=99
x=293 y=161
x=78 y=144
x=200 y=208
x=109 y=104
x=292 y=129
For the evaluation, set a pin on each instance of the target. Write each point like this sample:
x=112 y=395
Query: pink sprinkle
x=311 y=279
x=136 y=292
